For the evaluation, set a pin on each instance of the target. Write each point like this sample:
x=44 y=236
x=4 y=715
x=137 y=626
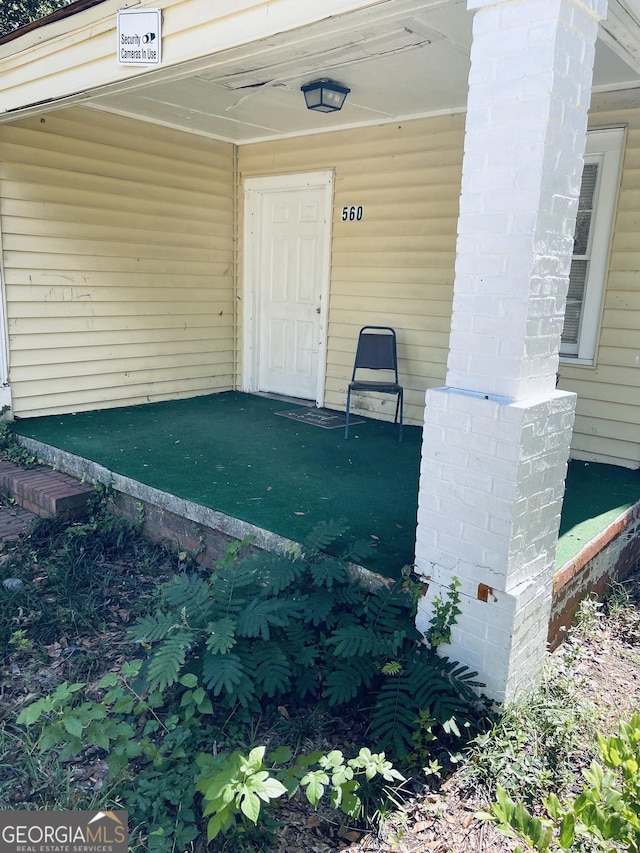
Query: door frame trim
x=254 y=189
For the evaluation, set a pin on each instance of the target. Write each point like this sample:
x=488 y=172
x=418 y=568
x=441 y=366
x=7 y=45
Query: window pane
x=588 y=188
x=585 y=208
x=580 y=263
x=575 y=299
x=581 y=236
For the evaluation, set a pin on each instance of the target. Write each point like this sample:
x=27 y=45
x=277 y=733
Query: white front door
x=287 y=284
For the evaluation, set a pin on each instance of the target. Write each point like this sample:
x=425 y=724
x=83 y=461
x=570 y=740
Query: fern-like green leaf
x=303 y=646
x=223 y=673
x=306 y=656
x=360 y=641
x=221 y=635
x=235 y=585
x=346 y=680
x=318 y=606
x=341 y=619
x=388 y=609
x=272 y=669
x=259 y=616
x=299 y=636
x=419 y=686
x=192 y=596
x=350 y=595
x=328 y=573
x=325 y=534
x=394 y=718
x=153 y=627
x=357 y=552
x=463 y=681
x=278 y=573
x=307 y=681
x=167 y=660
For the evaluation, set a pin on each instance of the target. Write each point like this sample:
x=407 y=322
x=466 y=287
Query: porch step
x=45 y=492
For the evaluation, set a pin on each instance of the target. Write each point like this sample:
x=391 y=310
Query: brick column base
x=491 y=487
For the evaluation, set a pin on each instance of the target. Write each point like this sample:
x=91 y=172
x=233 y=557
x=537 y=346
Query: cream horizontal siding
x=118 y=262
x=395 y=267
x=607 y=426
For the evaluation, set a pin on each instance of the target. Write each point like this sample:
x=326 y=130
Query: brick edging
x=45 y=492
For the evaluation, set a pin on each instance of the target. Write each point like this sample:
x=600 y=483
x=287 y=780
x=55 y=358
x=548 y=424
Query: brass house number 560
x=353 y=213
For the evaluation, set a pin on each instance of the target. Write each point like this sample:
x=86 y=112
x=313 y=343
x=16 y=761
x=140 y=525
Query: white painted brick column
x=496 y=438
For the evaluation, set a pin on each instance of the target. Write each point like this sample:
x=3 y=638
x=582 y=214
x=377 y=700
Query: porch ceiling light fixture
x=324 y=96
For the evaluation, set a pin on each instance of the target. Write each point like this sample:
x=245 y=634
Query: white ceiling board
x=396 y=66
x=620 y=31
x=400 y=60
x=610 y=72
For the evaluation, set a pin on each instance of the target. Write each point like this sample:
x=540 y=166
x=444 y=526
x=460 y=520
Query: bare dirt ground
x=438 y=821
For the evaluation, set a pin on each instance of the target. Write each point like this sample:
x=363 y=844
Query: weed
x=588 y=621
x=606 y=812
x=11 y=450
x=236 y=786
x=66 y=575
x=30 y=778
x=236 y=656
x=20 y=643
x=537 y=743
x=445 y=613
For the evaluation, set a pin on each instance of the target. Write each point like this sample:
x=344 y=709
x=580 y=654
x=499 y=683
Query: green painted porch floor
x=231 y=452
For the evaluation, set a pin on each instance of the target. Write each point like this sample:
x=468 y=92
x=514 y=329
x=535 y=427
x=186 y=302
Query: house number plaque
x=352 y=213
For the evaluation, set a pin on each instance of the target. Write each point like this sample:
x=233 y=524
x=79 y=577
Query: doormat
x=319 y=417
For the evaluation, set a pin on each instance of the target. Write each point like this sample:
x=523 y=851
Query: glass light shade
x=325 y=96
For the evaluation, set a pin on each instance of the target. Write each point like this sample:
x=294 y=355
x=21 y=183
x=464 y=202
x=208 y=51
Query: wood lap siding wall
x=126 y=293
x=395 y=265
x=608 y=406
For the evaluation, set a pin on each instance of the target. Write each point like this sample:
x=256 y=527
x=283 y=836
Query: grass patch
x=540 y=743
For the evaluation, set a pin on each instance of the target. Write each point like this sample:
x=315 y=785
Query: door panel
x=289 y=280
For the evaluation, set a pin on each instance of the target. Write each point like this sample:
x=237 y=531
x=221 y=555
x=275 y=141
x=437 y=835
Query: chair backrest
x=376 y=350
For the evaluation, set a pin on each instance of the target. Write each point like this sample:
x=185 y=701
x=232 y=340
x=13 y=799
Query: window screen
x=581 y=258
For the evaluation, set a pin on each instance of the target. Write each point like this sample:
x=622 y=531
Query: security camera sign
x=139 y=36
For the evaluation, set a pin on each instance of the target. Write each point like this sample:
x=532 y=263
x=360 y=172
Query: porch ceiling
x=401 y=59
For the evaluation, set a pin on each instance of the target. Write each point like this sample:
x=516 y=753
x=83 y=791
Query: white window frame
x=604 y=147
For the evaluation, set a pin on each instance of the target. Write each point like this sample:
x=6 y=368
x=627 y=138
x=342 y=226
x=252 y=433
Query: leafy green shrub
x=254 y=634
x=150 y=747
x=11 y=450
x=236 y=786
x=298 y=626
x=165 y=766
x=606 y=812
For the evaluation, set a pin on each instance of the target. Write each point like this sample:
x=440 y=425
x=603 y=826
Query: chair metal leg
x=400 y=405
x=346 y=415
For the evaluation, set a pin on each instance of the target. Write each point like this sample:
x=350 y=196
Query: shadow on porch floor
x=232 y=452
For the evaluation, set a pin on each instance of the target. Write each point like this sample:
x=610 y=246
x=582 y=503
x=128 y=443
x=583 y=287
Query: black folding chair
x=376 y=350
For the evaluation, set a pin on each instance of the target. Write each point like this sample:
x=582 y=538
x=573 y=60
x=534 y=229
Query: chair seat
x=383 y=387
